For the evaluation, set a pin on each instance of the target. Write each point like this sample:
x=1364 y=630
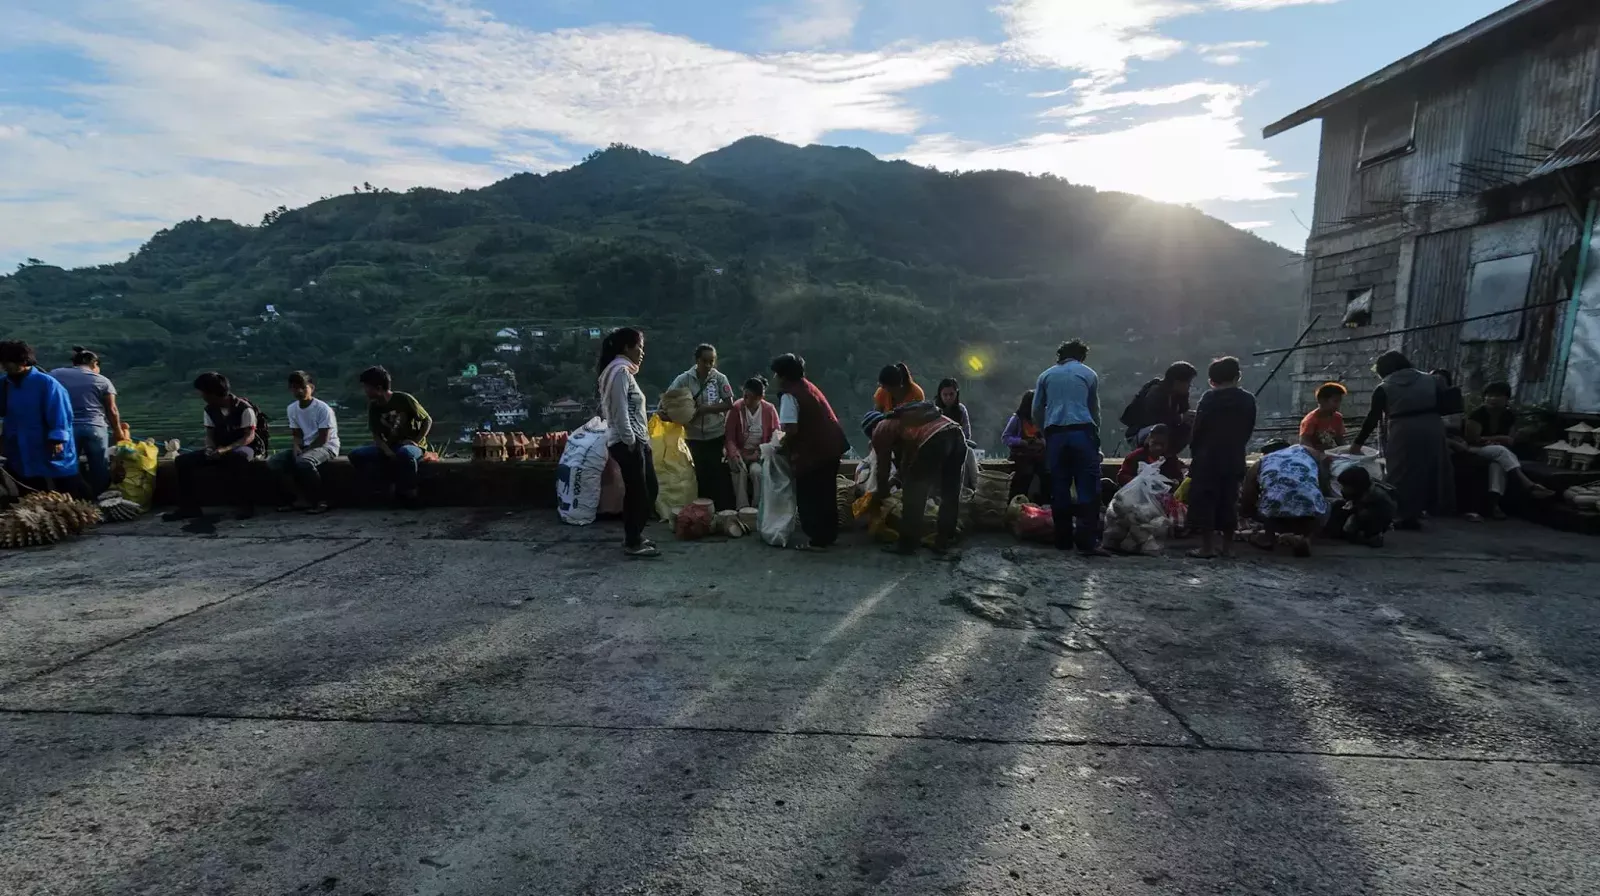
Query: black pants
x=938 y=466
x=711 y=471
x=234 y=465
x=816 y=493
x=639 y=488
x=1214 y=503
x=73 y=485
x=1030 y=478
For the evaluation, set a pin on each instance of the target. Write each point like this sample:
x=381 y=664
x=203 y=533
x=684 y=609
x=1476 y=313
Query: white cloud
x=814 y=23
x=1097 y=100
x=232 y=107
x=1095 y=36
x=1186 y=158
x=1270 y=4
x=1228 y=53
x=1250 y=225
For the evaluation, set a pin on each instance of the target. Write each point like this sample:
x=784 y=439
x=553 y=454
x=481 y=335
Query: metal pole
x=1288 y=354
x=1447 y=323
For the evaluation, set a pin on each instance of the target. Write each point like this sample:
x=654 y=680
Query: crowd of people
x=1291 y=494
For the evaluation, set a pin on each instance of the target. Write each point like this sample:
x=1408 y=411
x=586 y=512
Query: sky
x=120 y=117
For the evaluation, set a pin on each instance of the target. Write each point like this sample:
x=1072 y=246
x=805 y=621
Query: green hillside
x=759 y=248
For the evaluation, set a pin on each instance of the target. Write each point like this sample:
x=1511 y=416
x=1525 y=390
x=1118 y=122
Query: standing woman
x=1415 y=446
x=949 y=402
x=628 y=434
x=814 y=443
x=96 y=425
x=895 y=388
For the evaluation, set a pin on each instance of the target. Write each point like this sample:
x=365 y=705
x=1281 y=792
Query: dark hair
x=948 y=382
x=301 y=378
x=616 y=342
x=1391 y=362
x=376 y=377
x=212 y=383
x=1355 y=479
x=1025 y=407
x=702 y=348
x=1072 y=350
x=1224 y=370
x=756 y=384
x=789 y=367
x=1181 y=371
x=895 y=376
x=1160 y=429
x=1273 y=446
x=20 y=353
x=1443 y=374
x=1499 y=387
x=1329 y=390
x=82 y=357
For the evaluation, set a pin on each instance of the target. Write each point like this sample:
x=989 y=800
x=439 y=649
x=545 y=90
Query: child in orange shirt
x=1323 y=428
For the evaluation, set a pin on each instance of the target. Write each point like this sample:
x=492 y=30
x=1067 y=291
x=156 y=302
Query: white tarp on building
x=1580 y=387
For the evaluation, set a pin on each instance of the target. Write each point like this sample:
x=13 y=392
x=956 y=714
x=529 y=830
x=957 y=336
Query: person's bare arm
x=113 y=417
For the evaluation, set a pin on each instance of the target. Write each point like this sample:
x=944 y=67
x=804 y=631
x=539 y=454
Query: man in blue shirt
x=1066 y=405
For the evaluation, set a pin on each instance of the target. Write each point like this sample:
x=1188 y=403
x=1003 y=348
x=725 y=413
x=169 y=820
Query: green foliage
x=760 y=248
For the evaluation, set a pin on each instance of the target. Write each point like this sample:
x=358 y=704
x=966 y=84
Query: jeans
x=640 y=488
x=1073 y=456
x=711 y=471
x=301 y=472
x=940 y=464
x=233 y=464
x=67 y=485
x=94 y=443
x=1502 y=460
x=400 y=470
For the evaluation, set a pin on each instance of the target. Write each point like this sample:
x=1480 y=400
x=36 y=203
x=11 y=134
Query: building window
x=1388 y=132
x=1358 y=307
x=1496 y=286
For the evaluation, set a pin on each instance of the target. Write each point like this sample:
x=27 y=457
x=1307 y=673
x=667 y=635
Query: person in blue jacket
x=37 y=443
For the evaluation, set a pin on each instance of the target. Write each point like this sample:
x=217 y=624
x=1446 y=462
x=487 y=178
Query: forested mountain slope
x=759 y=248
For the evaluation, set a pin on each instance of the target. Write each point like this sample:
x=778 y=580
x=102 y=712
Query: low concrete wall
x=444 y=483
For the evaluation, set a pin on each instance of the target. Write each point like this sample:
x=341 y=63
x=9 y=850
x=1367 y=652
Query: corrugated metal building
x=1459 y=182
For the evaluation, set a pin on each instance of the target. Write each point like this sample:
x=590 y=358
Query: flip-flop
x=643 y=552
x=1197 y=554
x=318 y=509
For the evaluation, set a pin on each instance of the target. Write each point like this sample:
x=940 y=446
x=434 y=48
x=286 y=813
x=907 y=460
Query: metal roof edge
x=1444 y=45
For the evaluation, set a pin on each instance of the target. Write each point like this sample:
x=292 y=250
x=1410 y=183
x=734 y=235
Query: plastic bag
x=776 y=518
x=580 y=473
x=694 y=520
x=138 y=463
x=674 y=467
x=677 y=405
x=1139 y=518
x=1035 y=523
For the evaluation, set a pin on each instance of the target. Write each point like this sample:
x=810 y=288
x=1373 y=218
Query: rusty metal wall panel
x=1341 y=140
x=1438 y=293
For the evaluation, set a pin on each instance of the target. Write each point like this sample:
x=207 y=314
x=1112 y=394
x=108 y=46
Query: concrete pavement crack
x=57 y=667
x=310 y=719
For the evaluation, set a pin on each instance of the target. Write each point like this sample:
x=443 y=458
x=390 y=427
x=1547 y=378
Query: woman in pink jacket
x=751 y=424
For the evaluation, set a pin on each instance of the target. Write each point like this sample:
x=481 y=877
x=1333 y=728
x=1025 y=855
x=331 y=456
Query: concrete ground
x=483 y=703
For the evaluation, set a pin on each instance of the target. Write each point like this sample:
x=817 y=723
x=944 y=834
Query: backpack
x=263 y=441
x=1133 y=416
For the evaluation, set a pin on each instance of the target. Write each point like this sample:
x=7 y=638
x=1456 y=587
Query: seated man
x=1157 y=448
x=1489 y=433
x=313 y=441
x=232 y=441
x=400 y=427
x=1323 y=428
x=1366 y=512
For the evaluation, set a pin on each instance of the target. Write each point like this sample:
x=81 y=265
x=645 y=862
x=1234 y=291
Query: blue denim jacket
x=1067 y=395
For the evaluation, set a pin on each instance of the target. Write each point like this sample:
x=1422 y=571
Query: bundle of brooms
x=42 y=518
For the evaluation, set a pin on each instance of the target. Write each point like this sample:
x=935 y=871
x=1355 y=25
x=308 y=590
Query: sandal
x=318 y=509
x=643 y=552
x=1197 y=554
x=1541 y=492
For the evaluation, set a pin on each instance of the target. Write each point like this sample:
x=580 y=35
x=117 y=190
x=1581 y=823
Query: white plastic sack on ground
x=1137 y=519
x=866 y=474
x=581 y=472
x=777 y=518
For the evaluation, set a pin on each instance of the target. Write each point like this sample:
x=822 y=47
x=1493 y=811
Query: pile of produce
x=844 y=501
x=114 y=508
x=1138 y=518
x=45 y=518
x=695 y=520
